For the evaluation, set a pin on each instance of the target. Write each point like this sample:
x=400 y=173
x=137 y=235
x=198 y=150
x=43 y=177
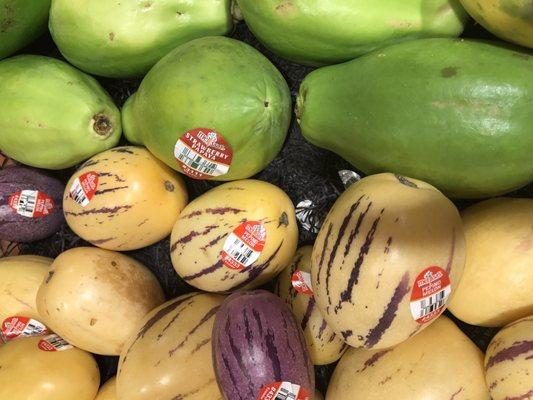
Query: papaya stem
x=102 y=125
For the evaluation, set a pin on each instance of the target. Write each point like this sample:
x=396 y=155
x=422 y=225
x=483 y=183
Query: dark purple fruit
x=259 y=349
x=30 y=204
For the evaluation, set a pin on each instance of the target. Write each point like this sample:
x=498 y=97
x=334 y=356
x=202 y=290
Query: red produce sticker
x=431 y=291
x=14 y=327
x=31 y=203
x=54 y=343
x=84 y=187
x=244 y=245
x=283 y=391
x=301 y=282
x=203 y=153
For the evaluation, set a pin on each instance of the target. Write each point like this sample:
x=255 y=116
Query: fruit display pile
x=266 y=200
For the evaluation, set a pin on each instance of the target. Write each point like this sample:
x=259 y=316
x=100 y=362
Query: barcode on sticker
x=244 y=245
x=195 y=161
x=432 y=303
x=27 y=202
x=54 y=343
x=283 y=391
x=240 y=251
x=84 y=187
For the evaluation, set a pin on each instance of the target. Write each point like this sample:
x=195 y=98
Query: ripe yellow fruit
x=96 y=298
x=497 y=284
x=238 y=235
x=124 y=199
x=29 y=373
x=324 y=346
x=20 y=279
x=385 y=261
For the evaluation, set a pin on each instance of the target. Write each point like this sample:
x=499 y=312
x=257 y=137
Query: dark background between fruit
x=301 y=170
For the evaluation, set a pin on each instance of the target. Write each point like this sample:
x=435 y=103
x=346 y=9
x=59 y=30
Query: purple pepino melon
x=30 y=204
x=259 y=351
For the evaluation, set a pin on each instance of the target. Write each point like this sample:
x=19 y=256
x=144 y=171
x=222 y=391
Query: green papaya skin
x=215 y=83
x=52 y=115
x=126 y=38
x=21 y=21
x=323 y=32
x=454 y=113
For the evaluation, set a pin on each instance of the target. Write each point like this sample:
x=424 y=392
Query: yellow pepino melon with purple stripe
x=169 y=357
x=259 y=350
x=509 y=362
x=323 y=344
x=387 y=258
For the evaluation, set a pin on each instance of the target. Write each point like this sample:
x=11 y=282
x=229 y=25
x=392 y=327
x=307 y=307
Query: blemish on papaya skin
x=448 y=72
x=8 y=20
x=111 y=36
x=285 y=7
x=93 y=321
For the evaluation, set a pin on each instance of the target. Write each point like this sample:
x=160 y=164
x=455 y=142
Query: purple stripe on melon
x=214 y=241
x=174 y=318
x=337 y=242
x=223 y=210
x=156 y=317
x=191 y=235
x=525 y=396
x=103 y=210
x=374 y=359
x=308 y=312
x=255 y=271
x=326 y=241
x=346 y=295
x=355 y=231
x=460 y=390
x=510 y=353
x=384 y=323
x=322 y=328
x=257 y=341
x=112 y=190
x=210 y=314
x=219 y=264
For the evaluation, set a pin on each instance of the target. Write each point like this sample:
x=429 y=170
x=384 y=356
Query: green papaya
x=126 y=38
x=454 y=113
x=322 y=32
x=213 y=108
x=52 y=115
x=21 y=21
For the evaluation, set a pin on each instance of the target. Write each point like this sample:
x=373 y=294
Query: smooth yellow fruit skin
x=95 y=298
x=28 y=373
x=20 y=278
x=203 y=226
x=497 y=282
x=323 y=345
x=137 y=201
x=440 y=363
x=509 y=362
x=170 y=355
x=108 y=391
x=385 y=231
x=510 y=20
